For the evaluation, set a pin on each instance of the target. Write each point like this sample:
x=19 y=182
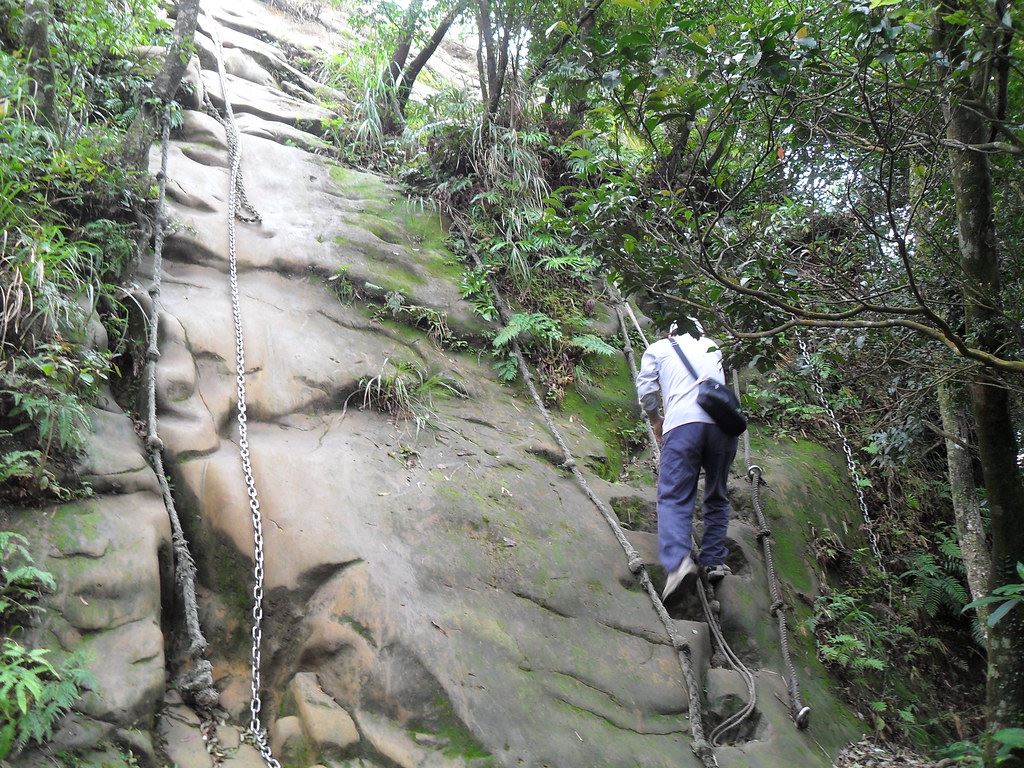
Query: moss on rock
x=608 y=410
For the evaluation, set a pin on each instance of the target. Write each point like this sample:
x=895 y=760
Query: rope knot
x=763 y=533
x=154 y=443
x=754 y=472
x=777 y=606
x=196 y=685
x=569 y=463
x=636 y=564
x=152 y=354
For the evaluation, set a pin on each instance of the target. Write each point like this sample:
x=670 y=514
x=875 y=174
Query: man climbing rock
x=690 y=440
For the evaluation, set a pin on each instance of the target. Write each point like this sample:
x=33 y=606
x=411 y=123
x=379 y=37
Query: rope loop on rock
x=711 y=607
x=700 y=746
x=798 y=710
x=196 y=684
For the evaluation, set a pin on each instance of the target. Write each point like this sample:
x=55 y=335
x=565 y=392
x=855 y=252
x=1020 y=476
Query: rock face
x=443 y=596
x=110 y=556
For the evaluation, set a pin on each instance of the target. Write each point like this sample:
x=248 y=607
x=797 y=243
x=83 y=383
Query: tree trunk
x=966 y=510
x=180 y=50
x=675 y=161
x=165 y=86
x=35 y=37
x=498 y=84
x=401 y=53
x=417 y=64
x=487 y=36
x=997 y=444
x=997 y=440
x=481 y=70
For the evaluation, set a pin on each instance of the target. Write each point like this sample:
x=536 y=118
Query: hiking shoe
x=680 y=581
x=716 y=573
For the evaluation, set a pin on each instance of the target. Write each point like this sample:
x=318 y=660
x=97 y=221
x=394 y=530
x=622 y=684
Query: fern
x=593 y=345
x=536 y=324
x=18 y=465
x=850 y=652
x=35 y=692
x=933 y=587
x=21 y=584
x=506 y=368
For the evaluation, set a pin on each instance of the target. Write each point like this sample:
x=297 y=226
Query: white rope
x=700 y=746
x=195 y=684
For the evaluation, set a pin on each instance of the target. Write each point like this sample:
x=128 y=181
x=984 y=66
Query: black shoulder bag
x=717 y=400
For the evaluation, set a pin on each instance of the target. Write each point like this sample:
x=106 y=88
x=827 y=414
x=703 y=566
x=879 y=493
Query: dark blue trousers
x=685 y=450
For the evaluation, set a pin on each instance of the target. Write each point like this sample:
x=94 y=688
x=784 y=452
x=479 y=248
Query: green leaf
x=1001 y=611
x=558 y=26
x=592 y=344
x=1010 y=737
x=959 y=17
x=6 y=739
x=983 y=601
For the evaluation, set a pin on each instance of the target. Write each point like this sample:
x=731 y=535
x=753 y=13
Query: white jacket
x=661 y=369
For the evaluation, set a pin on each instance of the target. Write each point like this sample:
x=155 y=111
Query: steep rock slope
x=435 y=598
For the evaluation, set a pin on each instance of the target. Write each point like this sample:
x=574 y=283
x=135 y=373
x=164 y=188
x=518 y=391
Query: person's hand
x=656 y=424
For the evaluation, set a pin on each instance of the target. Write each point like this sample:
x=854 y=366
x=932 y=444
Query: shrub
x=404 y=390
x=35 y=691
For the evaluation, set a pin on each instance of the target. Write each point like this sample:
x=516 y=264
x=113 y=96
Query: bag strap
x=682 y=357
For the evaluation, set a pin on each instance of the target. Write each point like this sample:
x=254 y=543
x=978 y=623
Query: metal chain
x=851 y=465
x=237 y=200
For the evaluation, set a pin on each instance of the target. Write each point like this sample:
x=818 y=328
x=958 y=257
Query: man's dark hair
x=676 y=325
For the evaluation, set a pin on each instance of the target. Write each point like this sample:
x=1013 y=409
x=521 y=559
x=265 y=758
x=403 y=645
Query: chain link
x=851 y=465
x=239 y=208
